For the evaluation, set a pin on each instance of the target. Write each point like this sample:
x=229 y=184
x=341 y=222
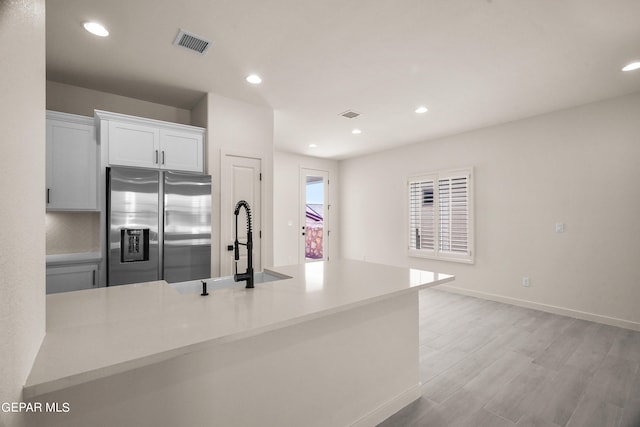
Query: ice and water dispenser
x=134 y=244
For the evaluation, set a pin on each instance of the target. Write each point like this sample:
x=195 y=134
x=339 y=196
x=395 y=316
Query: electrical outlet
x=559 y=227
x=525 y=282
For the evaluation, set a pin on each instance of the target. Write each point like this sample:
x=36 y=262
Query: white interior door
x=314 y=215
x=240 y=181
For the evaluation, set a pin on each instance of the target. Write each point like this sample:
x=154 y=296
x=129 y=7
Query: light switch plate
x=559 y=227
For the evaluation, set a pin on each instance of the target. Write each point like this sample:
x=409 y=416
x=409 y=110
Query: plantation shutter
x=441 y=216
x=422 y=223
x=454 y=215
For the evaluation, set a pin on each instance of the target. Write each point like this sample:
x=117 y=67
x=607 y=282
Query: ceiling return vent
x=192 y=42
x=349 y=114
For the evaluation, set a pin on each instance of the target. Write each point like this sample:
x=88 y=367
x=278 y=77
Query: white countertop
x=99 y=332
x=73 y=258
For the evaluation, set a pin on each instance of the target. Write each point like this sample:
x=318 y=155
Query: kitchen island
x=334 y=344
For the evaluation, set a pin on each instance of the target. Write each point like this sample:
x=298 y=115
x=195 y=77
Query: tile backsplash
x=72 y=232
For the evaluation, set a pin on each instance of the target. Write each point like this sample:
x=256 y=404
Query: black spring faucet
x=247 y=275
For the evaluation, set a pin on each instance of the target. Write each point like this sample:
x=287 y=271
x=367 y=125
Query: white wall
x=578 y=166
x=82 y=101
x=238 y=128
x=22 y=167
x=287 y=205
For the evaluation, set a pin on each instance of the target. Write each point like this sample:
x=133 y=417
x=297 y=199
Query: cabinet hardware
x=163 y=157
x=48 y=195
x=93 y=280
x=156 y=156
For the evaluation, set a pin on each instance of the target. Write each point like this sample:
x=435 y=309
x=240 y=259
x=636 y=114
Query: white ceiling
x=474 y=63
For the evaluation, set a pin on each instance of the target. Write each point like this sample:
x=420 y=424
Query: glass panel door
x=315 y=221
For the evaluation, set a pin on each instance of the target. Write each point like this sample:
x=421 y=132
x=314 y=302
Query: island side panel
x=354 y=367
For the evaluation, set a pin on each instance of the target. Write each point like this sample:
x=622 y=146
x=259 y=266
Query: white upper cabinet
x=181 y=150
x=147 y=143
x=72 y=163
x=132 y=144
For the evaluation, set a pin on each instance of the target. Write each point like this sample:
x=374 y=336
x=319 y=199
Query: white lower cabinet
x=73 y=277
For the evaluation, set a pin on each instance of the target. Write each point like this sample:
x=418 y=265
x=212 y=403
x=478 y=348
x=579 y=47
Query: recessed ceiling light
x=96 y=29
x=632 y=66
x=422 y=110
x=312 y=145
x=356 y=131
x=254 y=79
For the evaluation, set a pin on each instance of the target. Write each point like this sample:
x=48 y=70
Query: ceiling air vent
x=192 y=42
x=350 y=114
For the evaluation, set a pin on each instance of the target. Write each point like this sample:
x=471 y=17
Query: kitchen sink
x=195 y=286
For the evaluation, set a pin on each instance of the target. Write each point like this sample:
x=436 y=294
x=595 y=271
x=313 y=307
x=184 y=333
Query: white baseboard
x=612 y=321
x=389 y=408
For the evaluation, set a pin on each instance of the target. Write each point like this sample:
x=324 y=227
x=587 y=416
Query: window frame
x=436 y=253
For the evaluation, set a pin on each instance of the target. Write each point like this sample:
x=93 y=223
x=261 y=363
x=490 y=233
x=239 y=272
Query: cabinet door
x=71 y=166
x=181 y=150
x=133 y=145
x=71 y=278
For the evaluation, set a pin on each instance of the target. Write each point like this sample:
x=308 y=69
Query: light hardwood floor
x=488 y=364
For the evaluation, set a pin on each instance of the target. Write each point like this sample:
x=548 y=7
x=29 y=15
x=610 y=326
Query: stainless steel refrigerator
x=158 y=226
